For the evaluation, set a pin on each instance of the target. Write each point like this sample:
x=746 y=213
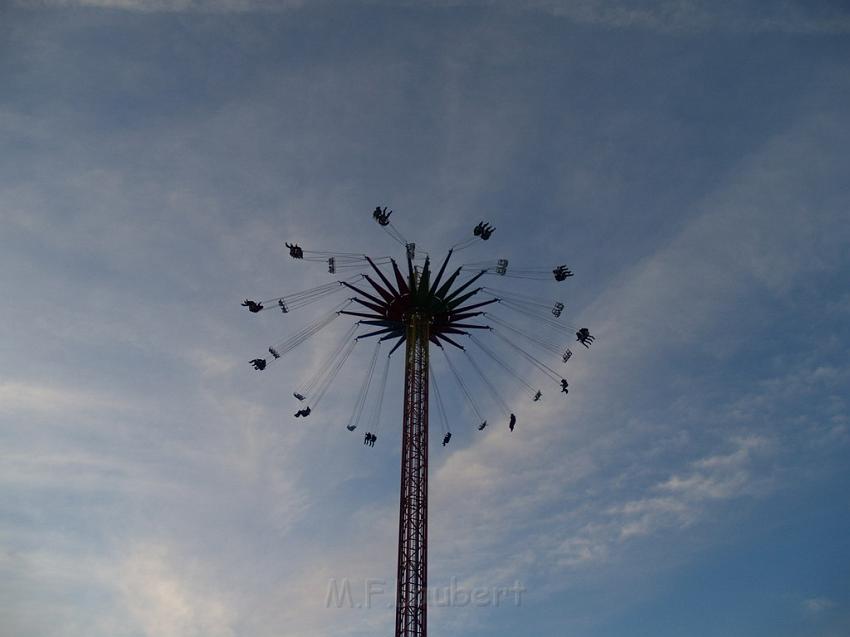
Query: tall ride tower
x=412 y=580
x=417 y=311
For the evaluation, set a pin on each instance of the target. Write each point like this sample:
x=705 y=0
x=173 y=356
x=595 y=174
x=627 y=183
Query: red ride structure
x=418 y=312
x=412 y=578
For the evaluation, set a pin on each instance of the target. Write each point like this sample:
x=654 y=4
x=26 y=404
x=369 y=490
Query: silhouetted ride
x=583 y=336
x=561 y=273
x=252 y=306
x=295 y=251
x=391 y=304
x=483 y=230
x=382 y=216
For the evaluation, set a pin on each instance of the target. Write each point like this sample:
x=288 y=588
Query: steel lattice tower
x=412 y=580
x=418 y=312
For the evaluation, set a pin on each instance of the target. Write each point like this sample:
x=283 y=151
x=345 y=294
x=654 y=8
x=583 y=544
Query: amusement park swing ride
x=417 y=307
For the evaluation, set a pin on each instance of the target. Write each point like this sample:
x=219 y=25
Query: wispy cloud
x=29 y=397
x=817 y=605
x=166 y=594
x=677 y=16
x=668 y=16
x=173 y=6
x=683 y=496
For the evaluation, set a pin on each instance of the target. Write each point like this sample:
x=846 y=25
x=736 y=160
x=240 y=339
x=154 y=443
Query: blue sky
x=688 y=160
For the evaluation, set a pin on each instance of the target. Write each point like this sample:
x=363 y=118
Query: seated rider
x=483 y=230
x=564 y=385
x=295 y=251
x=561 y=272
x=382 y=216
x=259 y=363
x=584 y=337
x=253 y=306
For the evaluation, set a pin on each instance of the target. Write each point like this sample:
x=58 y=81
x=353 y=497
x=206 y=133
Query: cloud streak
x=670 y=16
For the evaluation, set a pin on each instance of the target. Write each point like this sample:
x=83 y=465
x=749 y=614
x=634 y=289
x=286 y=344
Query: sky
x=687 y=160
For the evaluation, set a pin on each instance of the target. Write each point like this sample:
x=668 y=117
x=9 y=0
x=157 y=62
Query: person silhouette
x=561 y=272
x=584 y=337
x=295 y=251
x=483 y=230
x=382 y=216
